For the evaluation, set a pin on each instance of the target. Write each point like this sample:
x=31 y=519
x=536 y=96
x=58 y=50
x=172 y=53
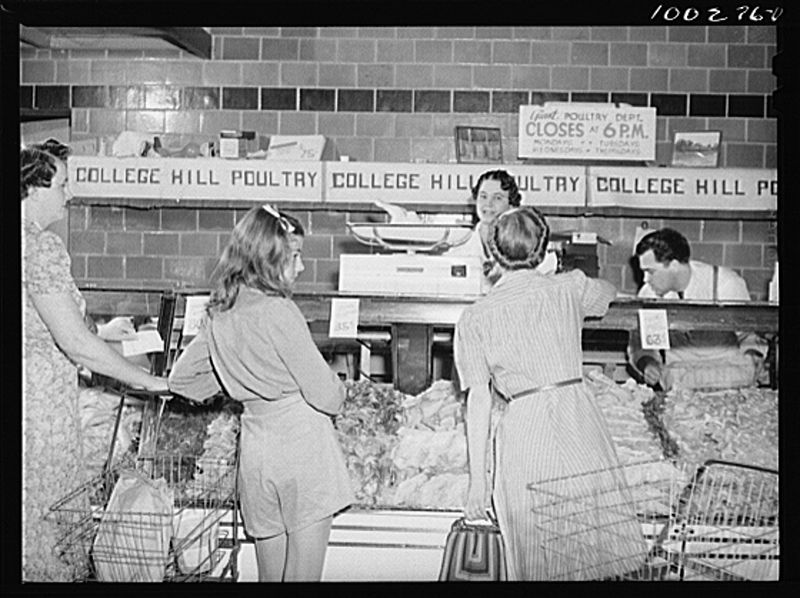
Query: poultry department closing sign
x=581 y=131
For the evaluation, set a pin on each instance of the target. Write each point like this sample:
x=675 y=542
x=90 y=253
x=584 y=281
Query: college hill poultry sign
x=177 y=179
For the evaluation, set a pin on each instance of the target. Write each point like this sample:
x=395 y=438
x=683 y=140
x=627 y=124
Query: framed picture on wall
x=479 y=145
x=696 y=148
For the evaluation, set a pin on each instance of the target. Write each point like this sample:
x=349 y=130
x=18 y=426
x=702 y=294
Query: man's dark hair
x=667 y=244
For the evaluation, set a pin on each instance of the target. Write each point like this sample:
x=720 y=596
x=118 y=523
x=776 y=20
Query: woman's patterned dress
x=52 y=459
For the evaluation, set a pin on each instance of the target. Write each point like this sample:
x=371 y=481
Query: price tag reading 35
x=344 y=318
x=654 y=328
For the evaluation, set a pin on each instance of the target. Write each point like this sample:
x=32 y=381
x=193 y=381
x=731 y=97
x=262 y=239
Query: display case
x=406 y=451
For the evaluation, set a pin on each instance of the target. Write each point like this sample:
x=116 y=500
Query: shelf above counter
x=566 y=211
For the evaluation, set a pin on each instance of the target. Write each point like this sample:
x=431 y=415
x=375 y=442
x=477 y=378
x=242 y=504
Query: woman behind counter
x=495 y=192
x=55 y=338
x=257 y=346
x=524 y=340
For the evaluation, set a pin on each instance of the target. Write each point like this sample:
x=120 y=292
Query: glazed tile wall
x=396 y=94
x=180 y=246
x=286 y=80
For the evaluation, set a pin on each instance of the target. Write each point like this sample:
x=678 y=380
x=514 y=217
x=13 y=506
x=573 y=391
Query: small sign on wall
x=587 y=132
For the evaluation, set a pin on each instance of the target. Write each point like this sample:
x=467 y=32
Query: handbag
x=473 y=552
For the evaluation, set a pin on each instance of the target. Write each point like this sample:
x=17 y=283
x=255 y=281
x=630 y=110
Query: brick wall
x=117 y=246
x=396 y=94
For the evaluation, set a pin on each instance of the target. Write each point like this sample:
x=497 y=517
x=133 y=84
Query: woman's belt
x=268 y=406
x=537 y=389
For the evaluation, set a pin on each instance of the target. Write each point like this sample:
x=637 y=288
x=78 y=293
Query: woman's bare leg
x=305 y=554
x=271 y=558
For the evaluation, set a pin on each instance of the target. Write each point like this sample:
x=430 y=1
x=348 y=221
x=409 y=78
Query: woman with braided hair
x=523 y=341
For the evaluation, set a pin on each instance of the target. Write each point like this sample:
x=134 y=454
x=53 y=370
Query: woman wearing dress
x=523 y=339
x=256 y=345
x=56 y=341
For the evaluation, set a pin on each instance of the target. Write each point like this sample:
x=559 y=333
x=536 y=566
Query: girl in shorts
x=256 y=346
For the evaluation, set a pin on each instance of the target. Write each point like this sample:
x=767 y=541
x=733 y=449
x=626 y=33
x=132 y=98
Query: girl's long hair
x=258 y=253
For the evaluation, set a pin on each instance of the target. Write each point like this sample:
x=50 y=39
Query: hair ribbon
x=285 y=225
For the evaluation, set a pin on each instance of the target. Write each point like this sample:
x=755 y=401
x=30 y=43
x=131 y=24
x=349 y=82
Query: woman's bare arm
x=62 y=317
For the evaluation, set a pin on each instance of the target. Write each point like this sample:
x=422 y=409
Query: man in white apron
x=702 y=358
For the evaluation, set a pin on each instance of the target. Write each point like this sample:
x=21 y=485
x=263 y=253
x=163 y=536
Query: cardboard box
x=236 y=144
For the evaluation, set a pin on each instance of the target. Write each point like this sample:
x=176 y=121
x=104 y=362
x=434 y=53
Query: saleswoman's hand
x=477 y=502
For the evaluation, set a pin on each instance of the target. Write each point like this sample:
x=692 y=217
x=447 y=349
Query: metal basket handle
x=148 y=436
x=149 y=398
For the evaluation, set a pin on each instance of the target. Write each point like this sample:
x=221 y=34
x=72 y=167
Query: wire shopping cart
x=183 y=537
x=717 y=523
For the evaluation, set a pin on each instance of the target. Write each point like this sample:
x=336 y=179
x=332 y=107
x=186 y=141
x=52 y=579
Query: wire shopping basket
x=656 y=520
x=165 y=517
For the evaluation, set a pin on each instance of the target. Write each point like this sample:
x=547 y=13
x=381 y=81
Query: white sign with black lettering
x=195 y=178
x=587 y=132
x=344 y=318
x=654 y=328
x=448 y=183
x=194 y=314
x=690 y=188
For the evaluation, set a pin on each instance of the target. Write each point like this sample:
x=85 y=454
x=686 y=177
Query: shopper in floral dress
x=55 y=341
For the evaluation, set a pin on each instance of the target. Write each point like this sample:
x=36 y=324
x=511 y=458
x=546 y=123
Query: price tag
x=193 y=314
x=654 y=328
x=344 y=318
x=146 y=341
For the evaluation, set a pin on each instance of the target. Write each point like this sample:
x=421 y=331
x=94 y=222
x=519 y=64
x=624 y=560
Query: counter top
x=411 y=321
x=622 y=313
x=383 y=311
